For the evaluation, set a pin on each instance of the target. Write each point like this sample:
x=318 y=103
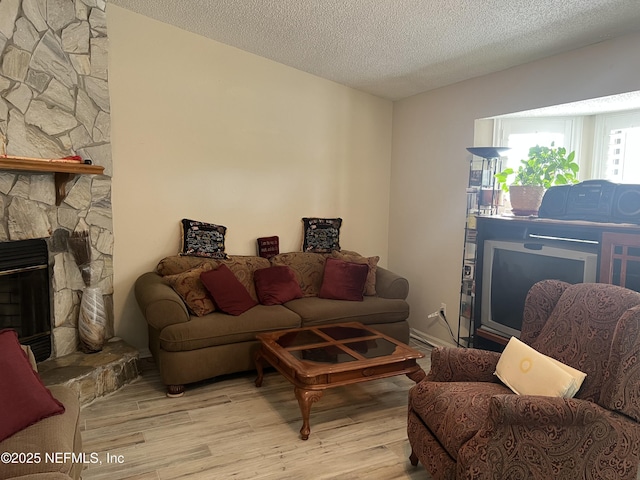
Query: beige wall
x=430 y=163
x=204 y=131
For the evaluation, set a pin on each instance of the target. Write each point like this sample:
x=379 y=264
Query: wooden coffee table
x=326 y=356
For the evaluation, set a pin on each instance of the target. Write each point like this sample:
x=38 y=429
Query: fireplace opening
x=24 y=293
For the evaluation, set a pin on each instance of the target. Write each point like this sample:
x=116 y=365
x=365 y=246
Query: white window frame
x=571 y=127
x=603 y=125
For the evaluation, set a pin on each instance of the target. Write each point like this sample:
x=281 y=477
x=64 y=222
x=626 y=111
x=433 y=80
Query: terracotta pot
x=525 y=200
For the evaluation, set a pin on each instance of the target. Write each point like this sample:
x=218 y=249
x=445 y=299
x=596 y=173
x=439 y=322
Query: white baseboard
x=429 y=339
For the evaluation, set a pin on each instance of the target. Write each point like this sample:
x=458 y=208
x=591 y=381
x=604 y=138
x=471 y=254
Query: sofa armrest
x=159 y=303
x=391 y=285
x=57 y=433
x=462 y=365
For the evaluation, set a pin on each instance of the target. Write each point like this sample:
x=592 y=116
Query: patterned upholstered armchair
x=464 y=423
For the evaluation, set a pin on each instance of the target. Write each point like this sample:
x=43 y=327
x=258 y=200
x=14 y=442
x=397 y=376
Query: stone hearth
x=93 y=375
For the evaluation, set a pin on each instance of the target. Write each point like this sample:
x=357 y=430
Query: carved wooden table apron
x=326 y=356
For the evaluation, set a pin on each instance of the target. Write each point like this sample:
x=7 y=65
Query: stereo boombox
x=593 y=200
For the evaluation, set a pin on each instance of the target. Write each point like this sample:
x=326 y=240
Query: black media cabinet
x=616 y=245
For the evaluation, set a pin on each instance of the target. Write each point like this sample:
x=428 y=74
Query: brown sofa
x=188 y=348
x=463 y=423
x=58 y=435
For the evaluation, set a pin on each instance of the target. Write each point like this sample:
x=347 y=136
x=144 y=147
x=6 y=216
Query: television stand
x=617 y=246
x=492 y=336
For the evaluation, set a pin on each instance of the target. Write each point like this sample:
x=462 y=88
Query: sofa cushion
x=453 y=411
x=216 y=329
x=343 y=280
x=24 y=398
x=228 y=293
x=372 y=262
x=177 y=264
x=244 y=267
x=276 y=285
x=321 y=235
x=371 y=311
x=202 y=239
x=191 y=289
x=308 y=267
x=59 y=433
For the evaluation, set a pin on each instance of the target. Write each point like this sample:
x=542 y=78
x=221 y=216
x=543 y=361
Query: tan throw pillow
x=179 y=264
x=192 y=290
x=308 y=268
x=370 y=284
x=529 y=372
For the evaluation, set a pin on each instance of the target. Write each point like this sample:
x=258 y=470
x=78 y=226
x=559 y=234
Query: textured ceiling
x=398 y=48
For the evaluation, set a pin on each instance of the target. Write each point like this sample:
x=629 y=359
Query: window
x=612 y=154
x=520 y=134
x=617 y=147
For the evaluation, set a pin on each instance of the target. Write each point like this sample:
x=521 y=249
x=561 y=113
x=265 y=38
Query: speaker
x=591 y=200
x=626 y=204
x=554 y=202
x=594 y=201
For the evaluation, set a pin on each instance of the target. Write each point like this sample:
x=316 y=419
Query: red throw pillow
x=24 y=398
x=228 y=293
x=276 y=285
x=343 y=280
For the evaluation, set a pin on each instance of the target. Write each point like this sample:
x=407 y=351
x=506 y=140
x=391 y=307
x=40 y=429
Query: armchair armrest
x=462 y=365
x=391 y=285
x=159 y=303
x=537 y=411
x=528 y=436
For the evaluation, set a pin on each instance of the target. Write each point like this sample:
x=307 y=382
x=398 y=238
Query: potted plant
x=545 y=167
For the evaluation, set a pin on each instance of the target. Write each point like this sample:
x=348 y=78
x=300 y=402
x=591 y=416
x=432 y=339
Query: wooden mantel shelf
x=63 y=170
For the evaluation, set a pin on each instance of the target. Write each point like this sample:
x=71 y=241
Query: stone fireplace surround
x=27 y=218
x=54 y=102
x=27 y=203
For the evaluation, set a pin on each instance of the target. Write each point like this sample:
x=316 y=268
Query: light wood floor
x=228 y=428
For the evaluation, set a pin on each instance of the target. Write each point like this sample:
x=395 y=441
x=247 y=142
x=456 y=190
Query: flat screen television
x=511 y=268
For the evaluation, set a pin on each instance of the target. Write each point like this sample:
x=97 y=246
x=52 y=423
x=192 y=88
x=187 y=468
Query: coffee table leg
x=258 y=361
x=305 y=399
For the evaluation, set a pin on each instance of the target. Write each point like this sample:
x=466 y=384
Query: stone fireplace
x=54 y=102
x=25 y=219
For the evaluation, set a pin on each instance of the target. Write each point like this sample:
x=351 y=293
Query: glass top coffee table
x=326 y=356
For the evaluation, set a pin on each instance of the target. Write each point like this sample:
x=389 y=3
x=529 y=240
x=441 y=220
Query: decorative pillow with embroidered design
x=202 y=239
x=321 y=235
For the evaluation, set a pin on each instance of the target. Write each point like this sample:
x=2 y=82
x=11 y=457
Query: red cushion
x=276 y=285
x=343 y=280
x=228 y=293
x=24 y=398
